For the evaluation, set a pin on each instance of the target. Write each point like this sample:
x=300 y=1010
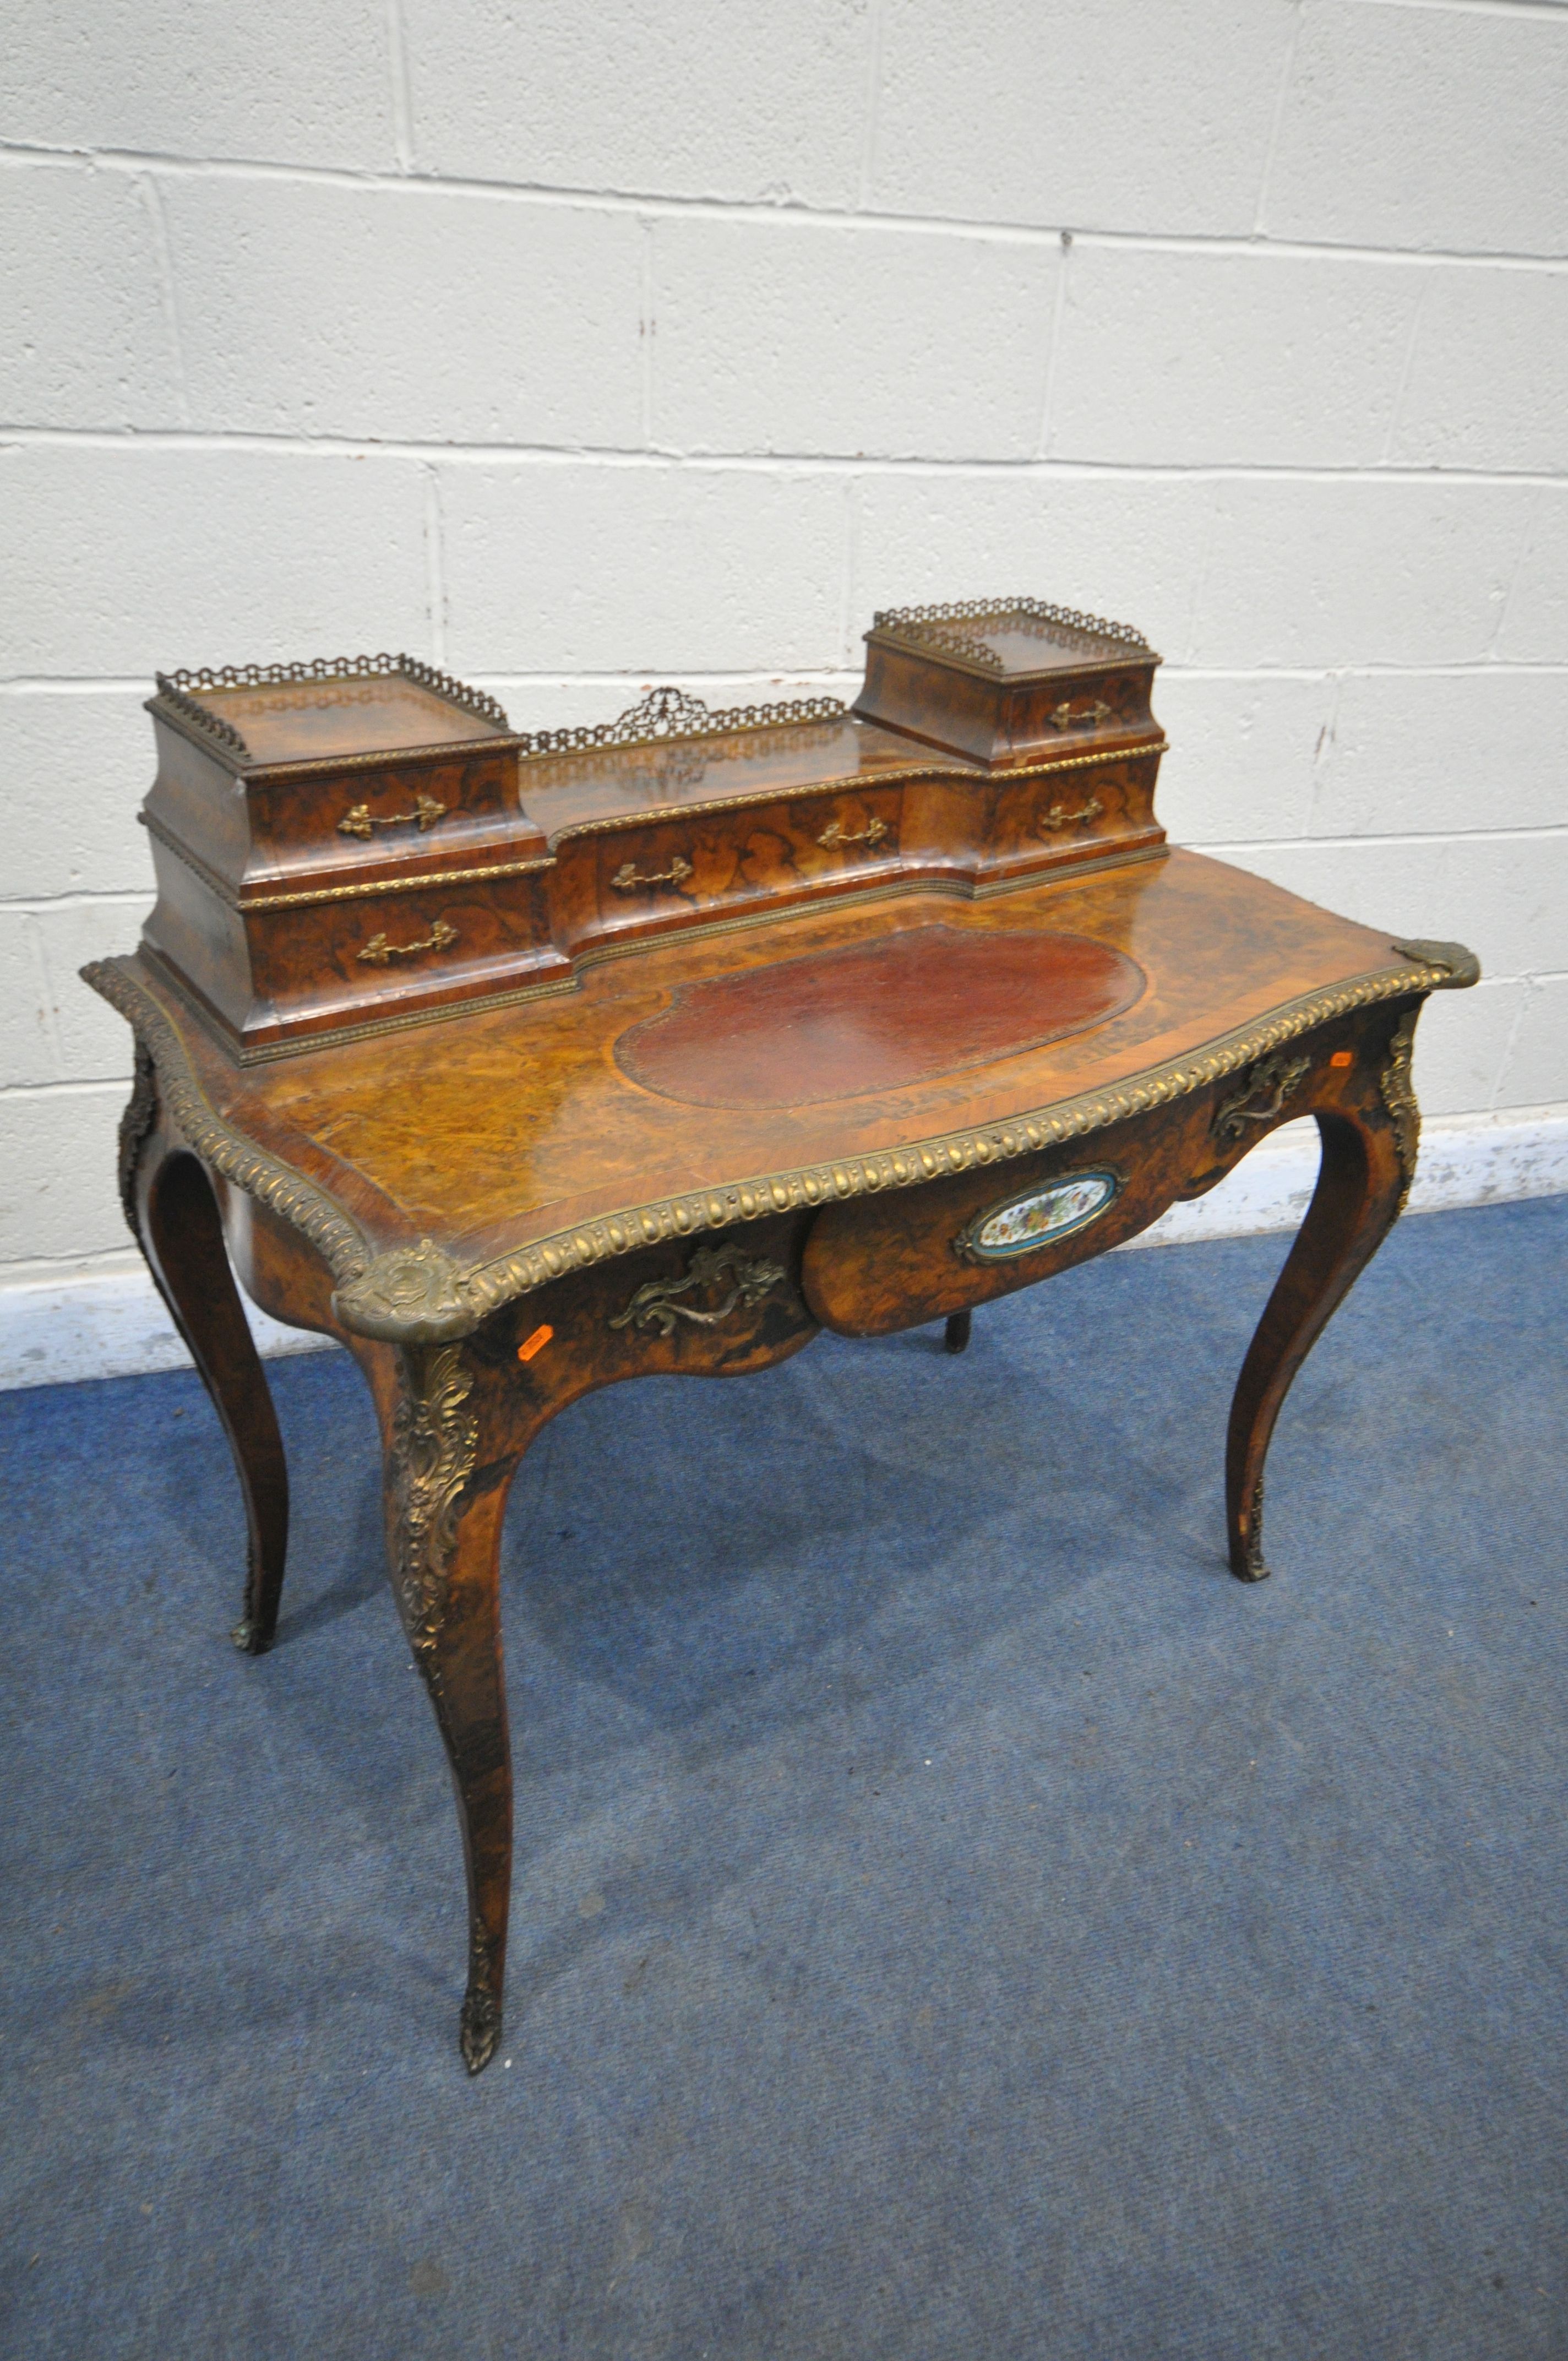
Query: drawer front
x=889 y=1262
x=388 y=812
x=1075 y=811
x=720 y=864
x=1078 y=712
x=325 y=964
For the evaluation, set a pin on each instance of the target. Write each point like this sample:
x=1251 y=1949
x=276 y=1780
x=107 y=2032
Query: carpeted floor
x=953 y=1919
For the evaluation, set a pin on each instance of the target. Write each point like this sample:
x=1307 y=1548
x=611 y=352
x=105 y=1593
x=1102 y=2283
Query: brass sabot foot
x=479 y=2029
x=1247 y=1562
x=250 y=1638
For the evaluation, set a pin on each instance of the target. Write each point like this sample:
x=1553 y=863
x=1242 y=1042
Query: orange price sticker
x=535 y=1344
x=1342 y=1058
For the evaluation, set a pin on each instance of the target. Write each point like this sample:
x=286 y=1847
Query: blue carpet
x=953 y=1920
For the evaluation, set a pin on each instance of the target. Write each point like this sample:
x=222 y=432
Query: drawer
x=322 y=964
x=883 y=1263
x=632 y=880
x=397 y=814
x=279 y=971
x=1075 y=811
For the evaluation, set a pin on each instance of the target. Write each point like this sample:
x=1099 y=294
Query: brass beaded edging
x=272 y=1183
x=418 y=1294
x=426 y=882
x=486 y=1288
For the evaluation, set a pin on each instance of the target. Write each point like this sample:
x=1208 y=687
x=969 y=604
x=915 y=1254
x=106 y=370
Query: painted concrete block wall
x=573 y=346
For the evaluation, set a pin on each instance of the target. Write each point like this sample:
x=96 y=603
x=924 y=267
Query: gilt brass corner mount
x=411 y=1296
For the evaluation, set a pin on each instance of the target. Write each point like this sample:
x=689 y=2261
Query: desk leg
x=173 y=1217
x=957 y=1334
x=450 y=1459
x=1361 y=1185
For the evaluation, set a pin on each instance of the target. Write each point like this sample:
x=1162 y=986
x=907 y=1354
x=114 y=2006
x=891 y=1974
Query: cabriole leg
x=1369 y=1160
x=446 y=1503
x=173 y=1216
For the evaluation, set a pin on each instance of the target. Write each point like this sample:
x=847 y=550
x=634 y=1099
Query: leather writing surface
x=875 y=1016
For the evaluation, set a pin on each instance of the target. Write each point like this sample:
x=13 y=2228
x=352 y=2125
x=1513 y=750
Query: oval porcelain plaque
x=1038 y=1217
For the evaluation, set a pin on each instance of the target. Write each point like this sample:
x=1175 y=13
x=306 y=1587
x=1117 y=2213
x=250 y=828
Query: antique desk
x=524 y=1064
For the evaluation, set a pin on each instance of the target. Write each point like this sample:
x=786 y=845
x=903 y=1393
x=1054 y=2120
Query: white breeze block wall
x=576 y=345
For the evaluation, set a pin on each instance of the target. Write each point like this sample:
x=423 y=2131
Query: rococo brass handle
x=379 y=950
x=626 y=879
x=425 y=814
x=836 y=833
x=1064 y=715
x=653 y=1306
x=1058 y=816
x=1274 y=1081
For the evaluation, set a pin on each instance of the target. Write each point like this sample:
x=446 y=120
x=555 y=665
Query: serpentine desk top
x=695 y=1083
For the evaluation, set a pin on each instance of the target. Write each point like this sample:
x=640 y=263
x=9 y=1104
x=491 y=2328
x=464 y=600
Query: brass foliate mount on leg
x=136 y=1128
x=435 y=1441
x=1398 y=1095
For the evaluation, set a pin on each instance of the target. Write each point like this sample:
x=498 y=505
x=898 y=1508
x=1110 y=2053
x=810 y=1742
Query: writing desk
x=859 y=1110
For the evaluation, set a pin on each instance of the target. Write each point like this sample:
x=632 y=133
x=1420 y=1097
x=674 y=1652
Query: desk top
x=685 y=1086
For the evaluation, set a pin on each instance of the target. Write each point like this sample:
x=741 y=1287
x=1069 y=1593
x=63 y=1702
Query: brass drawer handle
x=1058 y=816
x=425 y=814
x=654 y=1306
x=1273 y=1079
x=379 y=950
x=626 y=879
x=1064 y=715
x=836 y=833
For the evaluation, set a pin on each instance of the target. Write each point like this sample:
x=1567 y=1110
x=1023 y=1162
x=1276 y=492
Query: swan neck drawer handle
x=425 y=814
x=836 y=833
x=626 y=878
x=378 y=951
x=1058 y=816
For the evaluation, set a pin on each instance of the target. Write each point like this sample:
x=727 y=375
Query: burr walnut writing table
x=691 y=1035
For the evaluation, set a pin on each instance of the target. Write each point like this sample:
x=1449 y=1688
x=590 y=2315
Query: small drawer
x=320 y=963
x=1075 y=811
x=718 y=865
x=288 y=969
x=399 y=814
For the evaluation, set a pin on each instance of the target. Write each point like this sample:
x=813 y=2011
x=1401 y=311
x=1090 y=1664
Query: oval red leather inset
x=874 y=1016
